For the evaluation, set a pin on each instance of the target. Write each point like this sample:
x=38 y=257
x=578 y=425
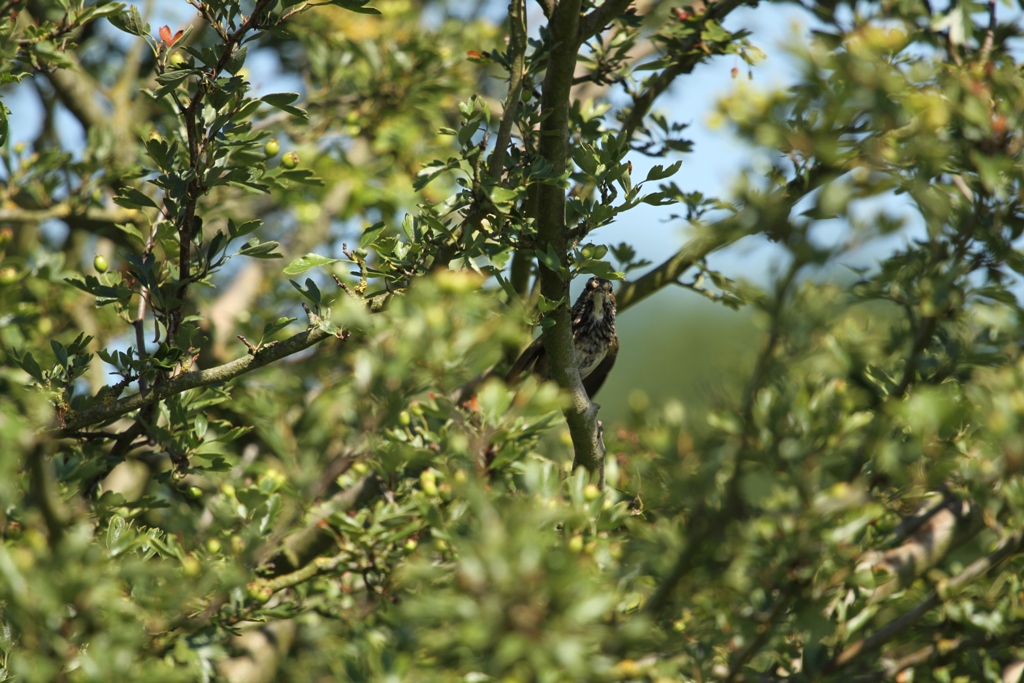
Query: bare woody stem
x=198 y=139
x=193 y=380
x=1011 y=545
x=318 y=566
x=517 y=53
x=594 y=23
x=581 y=414
x=719 y=235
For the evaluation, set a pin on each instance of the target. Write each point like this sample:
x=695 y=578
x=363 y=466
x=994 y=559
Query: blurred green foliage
x=194 y=485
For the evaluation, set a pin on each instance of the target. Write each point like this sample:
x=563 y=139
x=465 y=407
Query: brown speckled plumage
x=593 y=333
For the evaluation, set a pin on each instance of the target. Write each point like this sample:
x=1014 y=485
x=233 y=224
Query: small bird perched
x=593 y=335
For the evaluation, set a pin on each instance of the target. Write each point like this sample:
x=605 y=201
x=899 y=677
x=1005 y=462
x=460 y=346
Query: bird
x=594 y=339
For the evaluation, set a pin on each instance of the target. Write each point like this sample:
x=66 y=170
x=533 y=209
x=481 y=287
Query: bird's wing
x=596 y=378
x=532 y=355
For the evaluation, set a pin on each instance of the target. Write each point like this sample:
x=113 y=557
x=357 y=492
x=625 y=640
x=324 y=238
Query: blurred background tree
x=200 y=481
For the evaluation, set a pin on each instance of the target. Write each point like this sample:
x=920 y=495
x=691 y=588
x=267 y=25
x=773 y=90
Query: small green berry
x=290 y=160
x=428 y=482
x=191 y=566
x=100 y=263
x=259 y=593
x=271 y=148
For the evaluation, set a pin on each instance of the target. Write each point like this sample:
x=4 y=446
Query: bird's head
x=601 y=295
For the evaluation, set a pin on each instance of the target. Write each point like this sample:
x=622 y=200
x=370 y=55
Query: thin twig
x=990 y=33
x=192 y=380
x=517 y=68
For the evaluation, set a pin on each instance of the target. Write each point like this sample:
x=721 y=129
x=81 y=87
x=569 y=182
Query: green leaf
x=545 y=305
x=251 y=498
x=357 y=6
x=371 y=234
x=302 y=175
x=243 y=229
x=282 y=101
x=584 y=156
x=279 y=324
x=28 y=364
x=130 y=229
x=115 y=529
x=236 y=61
x=310 y=292
x=60 y=352
x=304 y=263
x=660 y=172
x=601 y=269
x=956 y=23
x=714 y=33
x=174 y=77
x=505 y=198
x=200 y=425
x=130 y=198
x=91 y=285
x=4 y=126
x=550 y=259
x=658 y=199
x=130 y=21
x=429 y=172
x=255 y=249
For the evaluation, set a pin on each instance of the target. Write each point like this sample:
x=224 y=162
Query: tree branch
x=269 y=353
x=632 y=293
x=594 y=23
x=1010 y=545
x=547 y=6
x=643 y=101
x=92 y=219
x=517 y=51
x=719 y=235
x=316 y=567
x=921 y=551
x=939 y=651
x=307 y=544
x=990 y=33
x=581 y=413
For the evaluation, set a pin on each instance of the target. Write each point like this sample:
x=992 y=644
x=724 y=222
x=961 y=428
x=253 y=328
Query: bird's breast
x=588 y=359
